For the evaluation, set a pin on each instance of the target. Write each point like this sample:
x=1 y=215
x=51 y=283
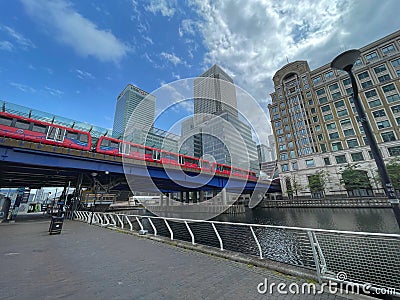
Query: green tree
x=354 y=179
x=292 y=186
x=393 y=168
x=317 y=182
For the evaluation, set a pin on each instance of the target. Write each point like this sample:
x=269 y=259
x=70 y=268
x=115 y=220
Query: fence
x=356 y=258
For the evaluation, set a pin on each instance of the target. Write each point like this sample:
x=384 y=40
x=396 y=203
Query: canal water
x=352 y=219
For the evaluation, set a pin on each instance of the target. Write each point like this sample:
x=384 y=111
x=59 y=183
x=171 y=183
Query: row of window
x=340 y=159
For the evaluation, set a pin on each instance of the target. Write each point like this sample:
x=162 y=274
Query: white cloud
x=6 y=46
x=171 y=57
x=23 y=87
x=187 y=26
x=251 y=40
x=84 y=74
x=147 y=38
x=24 y=42
x=74 y=30
x=54 y=92
x=165 y=7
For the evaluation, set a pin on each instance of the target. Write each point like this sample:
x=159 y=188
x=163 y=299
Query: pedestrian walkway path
x=89 y=262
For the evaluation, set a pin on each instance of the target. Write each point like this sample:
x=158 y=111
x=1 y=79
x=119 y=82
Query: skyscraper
x=136 y=105
x=214 y=92
x=215 y=127
x=315 y=123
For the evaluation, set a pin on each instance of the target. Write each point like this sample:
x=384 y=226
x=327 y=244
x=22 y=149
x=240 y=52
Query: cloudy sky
x=72 y=58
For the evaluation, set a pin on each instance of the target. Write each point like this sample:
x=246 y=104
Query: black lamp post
x=345 y=62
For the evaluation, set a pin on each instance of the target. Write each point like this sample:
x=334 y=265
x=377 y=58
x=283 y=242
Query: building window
x=278 y=124
x=320 y=92
x=388 y=49
x=388 y=136
x=323 y=100
x=334 y=135
x=345 y=122
x=388 y=88
x=328 y=117
x=392 y=98
x=284 y=156
x=309 y=162
x=320 y=137
x=336 y=95
x=348 y=132
x=371 y=93
x=337 y=146
x=358 y=62
x=279 y=131
x=358 y=156
x=366 y=84
x=317 y=127
x=331 y=126
x=342 y=113
x=371 y=56
x=295 y=166
x=374 y=103
x=363 y=75
x=327 y=161
x=380 y=69
x=383 y=124
x=395 y=109
x=317 y=80
x=292 y=154
x=329 y=75
x=384 y=78
x=349 y=91
x=340 y=159
x=310 y=102
x=323 y=148
x=333 y=87
x=285 y=167
x=339 y=103
x=396 y=62
x=315 y=119
x=353 y=143
x=394 y=151
x=347 y=81
x=325 y=108
x=379 y=113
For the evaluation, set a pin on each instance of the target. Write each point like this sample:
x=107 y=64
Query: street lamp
x=345 y=62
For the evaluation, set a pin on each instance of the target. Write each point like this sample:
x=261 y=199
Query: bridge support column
x=168 y=199
x=161 y=199
x=181 y=198
x=224 y=196
x=201 y=196
x=187 y=197
x=194 y=196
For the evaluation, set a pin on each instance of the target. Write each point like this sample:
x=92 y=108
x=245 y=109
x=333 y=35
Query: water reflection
x=352 y=219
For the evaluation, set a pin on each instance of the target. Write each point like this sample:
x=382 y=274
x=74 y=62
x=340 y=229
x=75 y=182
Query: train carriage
x=27 y=129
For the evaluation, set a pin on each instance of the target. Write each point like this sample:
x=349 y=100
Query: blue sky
x=72 y=58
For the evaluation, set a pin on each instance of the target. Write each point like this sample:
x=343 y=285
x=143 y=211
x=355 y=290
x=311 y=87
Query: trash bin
x=56 y=225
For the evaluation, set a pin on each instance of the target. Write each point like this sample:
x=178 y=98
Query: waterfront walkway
x=89 y=262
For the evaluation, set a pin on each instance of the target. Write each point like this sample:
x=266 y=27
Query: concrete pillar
x=161 y=199
x=181 y=198
x=168 y=199
x=187 y=197
x=194 y=196
x=224 y=197
x=201 y=196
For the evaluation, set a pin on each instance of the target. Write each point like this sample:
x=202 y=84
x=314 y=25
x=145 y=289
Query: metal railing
x=357 y=258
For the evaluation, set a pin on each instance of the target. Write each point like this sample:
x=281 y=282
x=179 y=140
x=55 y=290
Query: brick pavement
x=89 y=262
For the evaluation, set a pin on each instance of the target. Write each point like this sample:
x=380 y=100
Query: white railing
x=359 y=257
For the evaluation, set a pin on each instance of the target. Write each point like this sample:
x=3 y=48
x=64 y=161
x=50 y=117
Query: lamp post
x=345 y=62
x=94 y=174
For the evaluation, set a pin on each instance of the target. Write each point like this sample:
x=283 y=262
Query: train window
x=114 y=145
x=124 y=148
x=140 y=150
x=156 y=154
x=39 y=128
x=72 y=135
x=22 y=124
x=181 y=160
x=60 y=133
x=148 y=151
x=51 y=133
x=105 y=143
x=5 y=121
x=83 y=138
